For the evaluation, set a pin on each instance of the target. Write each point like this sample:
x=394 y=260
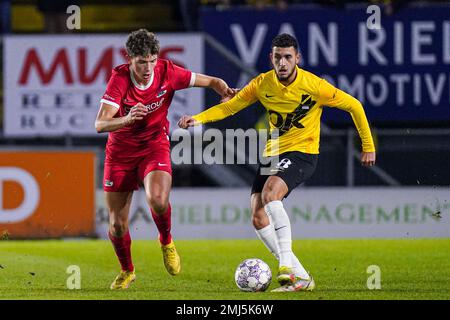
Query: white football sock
x=299 y=270
x=282 y=225
x=268 y=237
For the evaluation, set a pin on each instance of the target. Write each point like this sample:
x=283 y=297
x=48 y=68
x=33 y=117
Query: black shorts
x=293 y=167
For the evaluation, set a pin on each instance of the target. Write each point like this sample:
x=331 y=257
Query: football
x=253 y=275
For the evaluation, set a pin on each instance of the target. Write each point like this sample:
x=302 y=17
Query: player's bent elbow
x=358 y=104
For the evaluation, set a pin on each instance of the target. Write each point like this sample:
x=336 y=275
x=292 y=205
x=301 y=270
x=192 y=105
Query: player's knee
x=159 y=203
x=259 y=218
x=259 y=223
x=118 y=228
x=268 y=196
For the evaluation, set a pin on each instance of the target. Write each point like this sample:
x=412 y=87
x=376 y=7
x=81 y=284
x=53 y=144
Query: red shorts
x=123 y=176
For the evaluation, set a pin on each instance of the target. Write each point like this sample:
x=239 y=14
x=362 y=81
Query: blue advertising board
x=400 y=71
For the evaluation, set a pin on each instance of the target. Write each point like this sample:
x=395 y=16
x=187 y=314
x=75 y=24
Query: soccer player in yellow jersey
x=294 y=99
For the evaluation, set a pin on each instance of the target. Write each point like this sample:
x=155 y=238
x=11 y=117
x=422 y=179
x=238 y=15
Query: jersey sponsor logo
x=267 y=96
x=162 y=164
x=292 y=119
x=150 y=107
x=154 y=105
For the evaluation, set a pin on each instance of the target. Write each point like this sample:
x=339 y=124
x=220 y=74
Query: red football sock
x=122 y=246
x=163 y=223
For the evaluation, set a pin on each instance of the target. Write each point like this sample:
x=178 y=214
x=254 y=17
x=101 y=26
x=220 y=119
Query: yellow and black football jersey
x=294 y=111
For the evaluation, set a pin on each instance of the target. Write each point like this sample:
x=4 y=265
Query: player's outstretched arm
x=187 y=121
x=105 y=121
x=217 y=84
x=227 y=107
x=215 y=113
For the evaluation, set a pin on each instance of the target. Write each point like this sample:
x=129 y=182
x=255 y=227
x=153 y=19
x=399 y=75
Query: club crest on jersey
x=109 y=183
x=161 y=93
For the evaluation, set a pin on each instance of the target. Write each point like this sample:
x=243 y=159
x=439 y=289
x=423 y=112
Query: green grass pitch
x=410 y=269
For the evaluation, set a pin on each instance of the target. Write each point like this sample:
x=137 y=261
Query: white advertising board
x=314 y=213
x=53 y=84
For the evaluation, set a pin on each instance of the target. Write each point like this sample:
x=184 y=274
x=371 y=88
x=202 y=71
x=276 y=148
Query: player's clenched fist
x=368 y=159
x=186 y=122
x=138 y=112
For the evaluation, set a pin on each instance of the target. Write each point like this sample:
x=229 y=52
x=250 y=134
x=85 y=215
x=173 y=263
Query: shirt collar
x=142 y=87
x=297 y=79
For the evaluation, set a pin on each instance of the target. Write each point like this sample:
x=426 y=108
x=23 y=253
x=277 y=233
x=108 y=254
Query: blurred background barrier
x=46 y=194
x=98 y=15
x=314 y=213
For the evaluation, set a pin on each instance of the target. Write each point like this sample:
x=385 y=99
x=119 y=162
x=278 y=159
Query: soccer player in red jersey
x=134 y=112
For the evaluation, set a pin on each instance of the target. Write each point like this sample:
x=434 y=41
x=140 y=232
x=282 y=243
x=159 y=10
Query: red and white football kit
x=135 y=150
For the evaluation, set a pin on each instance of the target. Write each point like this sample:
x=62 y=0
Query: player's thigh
x=274 y=189
x=155 y=171
x=294 y=169
x=266 y=188
x=118 y=204
x=259 y=216
x=259 y=180
x=157 y=186
x=120 y=177
x=158 y=159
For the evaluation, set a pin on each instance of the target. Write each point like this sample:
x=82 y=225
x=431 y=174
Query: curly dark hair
x=142 y=43
x=285 y=40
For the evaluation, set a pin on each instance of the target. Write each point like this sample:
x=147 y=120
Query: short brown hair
x=142 y=43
